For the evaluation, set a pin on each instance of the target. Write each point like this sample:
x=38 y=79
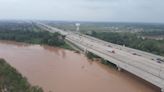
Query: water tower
x=77 y=27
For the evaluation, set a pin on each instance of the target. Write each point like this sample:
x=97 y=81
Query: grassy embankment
x=13 y=81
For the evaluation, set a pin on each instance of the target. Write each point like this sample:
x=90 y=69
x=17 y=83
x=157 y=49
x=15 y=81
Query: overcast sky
x=84 y=10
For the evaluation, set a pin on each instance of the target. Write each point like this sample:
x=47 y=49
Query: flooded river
x=60 y=70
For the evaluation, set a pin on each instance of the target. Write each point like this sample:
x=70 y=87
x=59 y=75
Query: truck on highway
x=111 y=50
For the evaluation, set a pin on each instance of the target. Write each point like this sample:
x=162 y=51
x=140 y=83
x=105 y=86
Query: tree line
x=13 y=81
x=29 y=33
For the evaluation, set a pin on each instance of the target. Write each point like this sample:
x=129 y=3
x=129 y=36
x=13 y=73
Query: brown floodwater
x=60 y=70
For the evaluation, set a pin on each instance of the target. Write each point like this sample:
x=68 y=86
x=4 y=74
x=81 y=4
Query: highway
x=142 y=64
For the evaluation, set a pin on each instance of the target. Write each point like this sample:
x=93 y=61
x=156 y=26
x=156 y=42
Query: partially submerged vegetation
x=94 y=57
x=12 y=81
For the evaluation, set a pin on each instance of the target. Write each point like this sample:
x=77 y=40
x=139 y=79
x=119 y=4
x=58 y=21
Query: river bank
x=12 y=81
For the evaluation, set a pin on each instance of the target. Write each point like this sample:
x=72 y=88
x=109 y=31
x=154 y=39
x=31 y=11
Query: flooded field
x=60 y=70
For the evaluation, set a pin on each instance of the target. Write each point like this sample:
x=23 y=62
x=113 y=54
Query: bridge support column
x=162 y=89
x=85 y=51
x=119 y=68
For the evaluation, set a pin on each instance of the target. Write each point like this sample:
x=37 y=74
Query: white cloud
x=85 y=10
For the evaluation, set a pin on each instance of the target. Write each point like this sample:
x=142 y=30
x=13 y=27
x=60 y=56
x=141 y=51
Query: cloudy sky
x=84 y=10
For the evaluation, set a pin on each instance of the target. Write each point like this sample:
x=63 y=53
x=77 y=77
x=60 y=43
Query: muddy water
x=59 y=70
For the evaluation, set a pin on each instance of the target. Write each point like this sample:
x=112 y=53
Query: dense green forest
x=133 y=41
x=30 y=33
x=12 y=81
x=42 y=37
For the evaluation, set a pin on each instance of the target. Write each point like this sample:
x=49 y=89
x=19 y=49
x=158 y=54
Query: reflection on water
x=55 y=50
x=60 y=70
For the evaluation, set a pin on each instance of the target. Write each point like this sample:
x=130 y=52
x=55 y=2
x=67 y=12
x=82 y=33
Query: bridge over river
x=142 y=64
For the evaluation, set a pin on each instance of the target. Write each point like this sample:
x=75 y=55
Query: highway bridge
x=142 y=64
